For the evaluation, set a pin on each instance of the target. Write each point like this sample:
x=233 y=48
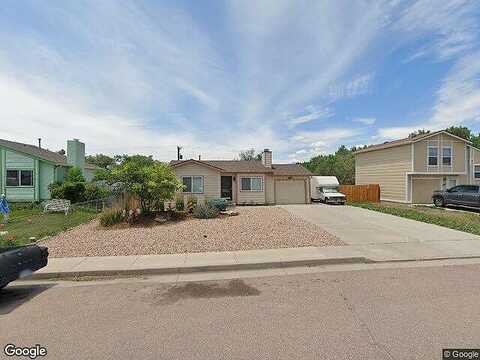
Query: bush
x=202 y=211
x=179 y=204
x=111 y=217
x=178 y=215
x=220 y=204
x=94 y=192
x=191 y=203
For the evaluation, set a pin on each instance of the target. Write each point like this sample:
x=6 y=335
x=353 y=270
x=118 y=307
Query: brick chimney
x=267 y=158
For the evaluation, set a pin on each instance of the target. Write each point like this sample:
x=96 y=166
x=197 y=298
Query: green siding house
x=26 y=170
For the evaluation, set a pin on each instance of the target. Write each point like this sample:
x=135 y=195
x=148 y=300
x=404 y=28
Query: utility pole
x=179 y=156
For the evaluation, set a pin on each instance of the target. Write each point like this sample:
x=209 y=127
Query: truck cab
x=325 y=189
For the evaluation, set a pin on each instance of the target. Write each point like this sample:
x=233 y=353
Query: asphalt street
x=377 y=313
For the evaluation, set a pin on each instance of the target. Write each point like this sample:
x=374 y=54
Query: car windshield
x=329 y=190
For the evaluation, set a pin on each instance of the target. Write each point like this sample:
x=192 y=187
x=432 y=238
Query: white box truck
x=325 y=189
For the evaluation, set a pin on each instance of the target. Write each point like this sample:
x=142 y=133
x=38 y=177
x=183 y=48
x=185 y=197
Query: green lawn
x=459 y=220
x=26 y=223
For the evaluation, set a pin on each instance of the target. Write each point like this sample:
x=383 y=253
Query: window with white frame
x=193 y=184
x=476 y=172
x=432 y=155
x=253 y=183
x=447 y=156
x=19 y=178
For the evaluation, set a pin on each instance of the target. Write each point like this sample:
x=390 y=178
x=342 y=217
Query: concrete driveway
x=357 y=226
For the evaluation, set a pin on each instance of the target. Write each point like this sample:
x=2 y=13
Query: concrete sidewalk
x=257 y=259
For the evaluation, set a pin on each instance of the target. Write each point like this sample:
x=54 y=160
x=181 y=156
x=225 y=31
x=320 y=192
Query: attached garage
x=422 y=189
x=291 y=191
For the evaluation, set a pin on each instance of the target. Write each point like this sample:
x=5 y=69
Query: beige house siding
x=270 y=189
x=250 y=197
x=386 y=167
x=458 y=154
x=475 y=154
x=211 y=180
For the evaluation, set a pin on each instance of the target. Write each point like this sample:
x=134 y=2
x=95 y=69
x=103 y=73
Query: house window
x=19 y=178
x=193 y=184
x=432 y=155
x=251 y=184
x=447 y=156
x=476 y=172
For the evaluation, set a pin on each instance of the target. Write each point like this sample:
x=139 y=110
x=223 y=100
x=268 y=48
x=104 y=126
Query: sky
x=218 y=77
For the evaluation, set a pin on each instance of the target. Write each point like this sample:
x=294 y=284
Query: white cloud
x=314 y=114
x=452 y=22
x=365 y=120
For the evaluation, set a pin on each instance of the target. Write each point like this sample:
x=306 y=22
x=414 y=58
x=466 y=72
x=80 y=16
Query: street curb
x=196 y=269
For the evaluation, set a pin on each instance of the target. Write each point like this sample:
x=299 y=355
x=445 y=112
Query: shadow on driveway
x=12 y=297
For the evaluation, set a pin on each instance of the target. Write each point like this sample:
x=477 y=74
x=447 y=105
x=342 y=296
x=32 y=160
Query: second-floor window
x=447 y=156
x=432 y=155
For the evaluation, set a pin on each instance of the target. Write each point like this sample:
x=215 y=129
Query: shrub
x=178 y=215
x=202 y=211
x=179 y=204
x=111 y=217
x=220 y=204
x=94 y=192
x=191 y=203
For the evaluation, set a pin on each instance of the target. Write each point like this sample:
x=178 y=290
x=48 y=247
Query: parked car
x=325 y=189
x=461 y=195
x=20 y=261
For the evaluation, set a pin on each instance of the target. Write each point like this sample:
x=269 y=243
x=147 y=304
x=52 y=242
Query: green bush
x=111 y=217
x=179 y=204
x=202 y=211
x=95 y=192
x=220 y=204
x=191 y=203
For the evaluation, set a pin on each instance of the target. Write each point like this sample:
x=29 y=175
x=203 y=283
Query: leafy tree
x=150 y=180
x=419 y=132
x=475 y=139
x=74 y=174
x=249 y=155
x=340 y=164
x=101 y=160
x=460 y=131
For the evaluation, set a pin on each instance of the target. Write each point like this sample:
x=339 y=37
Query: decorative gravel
x=254 y=228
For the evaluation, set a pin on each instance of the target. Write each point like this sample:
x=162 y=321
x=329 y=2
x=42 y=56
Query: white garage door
x=290 y=192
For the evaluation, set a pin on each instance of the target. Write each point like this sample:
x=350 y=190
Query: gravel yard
x=260 y=227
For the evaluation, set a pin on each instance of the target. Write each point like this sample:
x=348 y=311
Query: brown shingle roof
x=40 y=153
x=249 y=166
x=290 y=169
x=405 y=141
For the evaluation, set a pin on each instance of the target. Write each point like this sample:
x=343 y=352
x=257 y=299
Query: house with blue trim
x=27 y=170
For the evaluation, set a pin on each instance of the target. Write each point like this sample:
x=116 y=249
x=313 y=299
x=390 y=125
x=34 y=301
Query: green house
x=26 y=170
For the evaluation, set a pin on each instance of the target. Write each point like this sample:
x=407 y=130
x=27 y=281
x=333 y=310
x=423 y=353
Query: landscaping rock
x=230 y=213
x=160 y=220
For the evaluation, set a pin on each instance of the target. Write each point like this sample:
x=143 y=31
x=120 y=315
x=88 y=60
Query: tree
x=74 y=174
x=101 y=160
x=460 y=131
x=249 y=155
x=150 y=180
x=340 y=164
x=418 y=132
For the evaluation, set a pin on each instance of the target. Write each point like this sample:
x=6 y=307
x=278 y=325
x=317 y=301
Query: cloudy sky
x=217 y=77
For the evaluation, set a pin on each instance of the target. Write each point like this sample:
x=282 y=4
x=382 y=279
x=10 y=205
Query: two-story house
x=409 y=170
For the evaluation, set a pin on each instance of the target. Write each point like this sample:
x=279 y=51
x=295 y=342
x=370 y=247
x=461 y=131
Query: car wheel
x=438 y=202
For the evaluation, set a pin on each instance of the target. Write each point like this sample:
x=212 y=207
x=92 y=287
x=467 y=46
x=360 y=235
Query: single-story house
x=245 y=181
x=409 y=170
x=26 y=170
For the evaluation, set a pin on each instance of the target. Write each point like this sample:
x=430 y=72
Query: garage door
x=422 y=189
x=290 y=192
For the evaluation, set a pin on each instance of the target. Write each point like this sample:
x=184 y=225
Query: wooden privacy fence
x=361 y=193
